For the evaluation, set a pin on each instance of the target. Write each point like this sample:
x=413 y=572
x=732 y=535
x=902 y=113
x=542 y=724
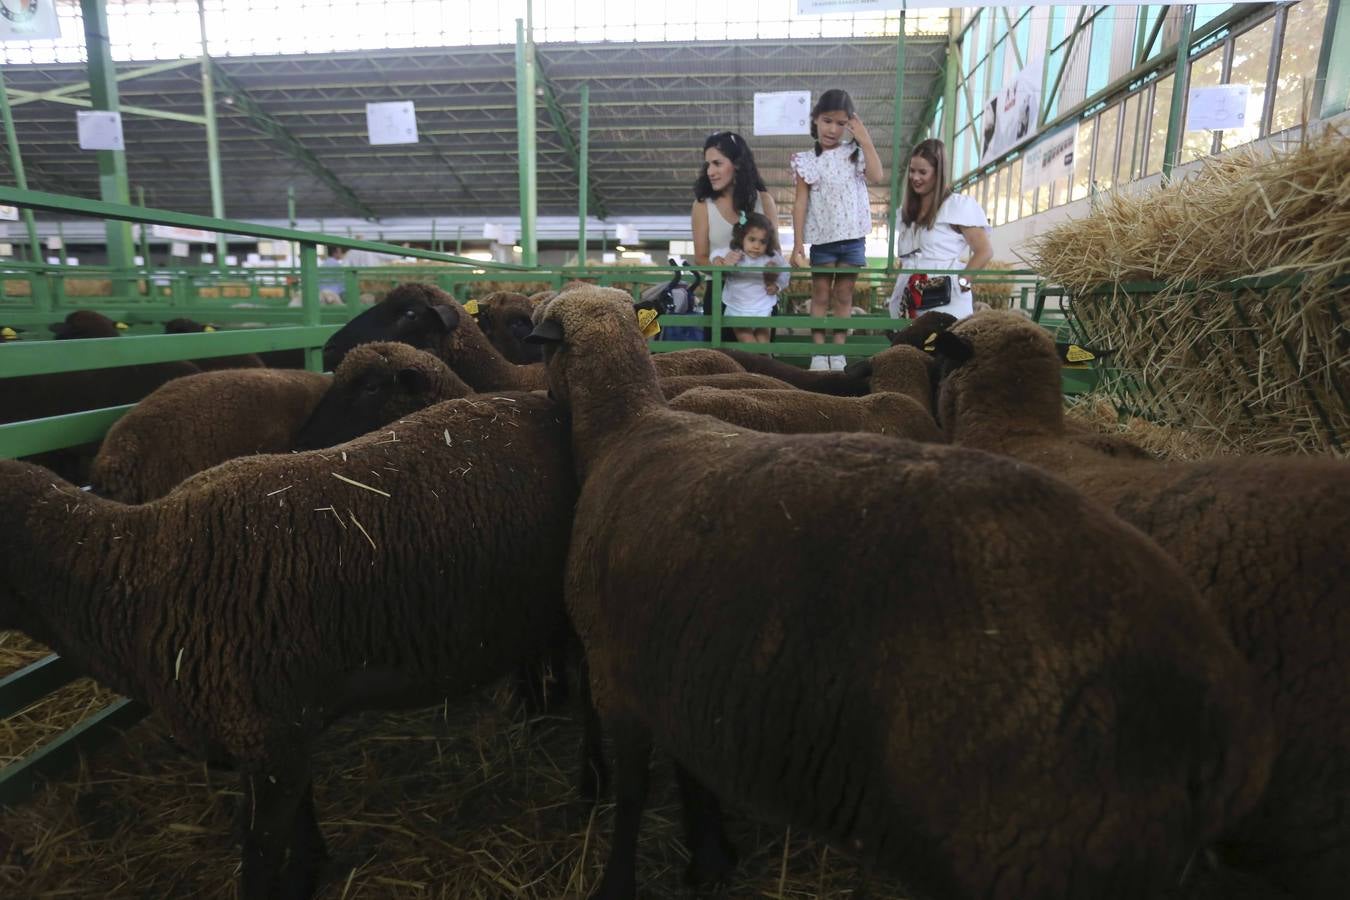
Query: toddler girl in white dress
x=754 y=245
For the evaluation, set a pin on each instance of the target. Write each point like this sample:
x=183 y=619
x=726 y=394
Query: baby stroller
x=676 y=298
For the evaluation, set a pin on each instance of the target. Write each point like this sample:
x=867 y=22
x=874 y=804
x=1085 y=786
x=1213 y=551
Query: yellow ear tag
x=8 y=333
x=471 y=307
x=647 y=323
x=209 y=328
x=930 y=342
x=122 y=326
x=1077 y=354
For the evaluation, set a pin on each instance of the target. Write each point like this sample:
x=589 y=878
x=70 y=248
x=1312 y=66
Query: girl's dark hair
x=935 y=153
x=833 y=100
x=747 y=183
x=755 y=220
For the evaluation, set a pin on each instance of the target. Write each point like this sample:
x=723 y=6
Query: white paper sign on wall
x=6 y=249
x=53 y=243
x=627 y=234
x=783 y=112
x=175 y=233
x=9 y=213
x=391 y=123
x=1221 y=106
x=29 y=20
x=178 y=248
x=99 y=130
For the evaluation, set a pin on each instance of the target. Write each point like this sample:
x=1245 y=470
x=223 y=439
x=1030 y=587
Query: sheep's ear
x=549 y=331
x=448 y=314
x=859 y=368
x=414 y=381
x=953 y=346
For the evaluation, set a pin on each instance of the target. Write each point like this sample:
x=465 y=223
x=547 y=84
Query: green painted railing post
x=112 y=164
x=899 y=154
x=1181 y=79
x=715 y=302
x=309 y=299
x=61 y=239
x=951 y=83
x=290 y=217
x=212 y=137
x=20 y=179
x=584 y=167
x=525 y=145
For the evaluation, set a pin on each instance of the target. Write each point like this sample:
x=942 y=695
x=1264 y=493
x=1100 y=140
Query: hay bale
x=1165 y=442
x=996 y=292
x=18 y=289
x=461 y=800
x=87 y=287
x=1261 y=370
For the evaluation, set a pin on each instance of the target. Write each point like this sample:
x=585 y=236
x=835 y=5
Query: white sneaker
x=837 y=363
x=820 y=364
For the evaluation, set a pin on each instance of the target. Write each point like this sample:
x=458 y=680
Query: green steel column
x=1180 y=82
x=525 y=143
x=1331 y=90
x=61 y=239
x=952 y=73
x=290 y=217
x=585 y=172
x=212 y=137
x=898 y=153
x=16 y=163
x=112 y=164
x=145 y=229
x=309 y=300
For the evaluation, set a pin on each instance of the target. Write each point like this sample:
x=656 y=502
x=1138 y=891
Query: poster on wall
x=1009 y=117
x=1218 y=107
x=783 y=112
x=99 y=129
x=28 y=20
x=9 y=214
x=391 y=123
x=1050 y=159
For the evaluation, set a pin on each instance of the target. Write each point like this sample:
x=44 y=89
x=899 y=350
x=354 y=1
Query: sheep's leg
x=308 y=850
x=593 y=779
x=273 y=830
x=711 y=854
x=632 y=755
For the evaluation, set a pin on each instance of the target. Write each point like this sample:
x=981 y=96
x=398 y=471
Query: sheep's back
x=802 y=412
x=197 y=422
x=694 y=362
x=675 y=385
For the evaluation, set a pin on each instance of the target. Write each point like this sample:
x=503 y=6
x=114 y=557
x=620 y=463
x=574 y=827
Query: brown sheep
x=675 y=385
x=377 y=384
x=994 y=690
x=213 y=363
x=193 y=423
x=803 y=412
x=86 y=323
x=504 y=317
x=429 y=319
x=1264 y=538
x=270 y=595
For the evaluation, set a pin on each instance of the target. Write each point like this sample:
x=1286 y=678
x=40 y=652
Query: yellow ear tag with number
x=471 y=307
x=209 y=328
x=930 y=342
x=1077 y=354
x=8 y=333
x=122 y=326
x=647 y=323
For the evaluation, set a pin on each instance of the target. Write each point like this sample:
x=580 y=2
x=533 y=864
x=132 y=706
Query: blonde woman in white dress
x=937 y=229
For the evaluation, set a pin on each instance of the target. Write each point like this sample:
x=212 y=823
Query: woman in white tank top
x=729 y=186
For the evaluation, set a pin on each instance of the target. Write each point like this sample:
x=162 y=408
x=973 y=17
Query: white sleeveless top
x=719 y=229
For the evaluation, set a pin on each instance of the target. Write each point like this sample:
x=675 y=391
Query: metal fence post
x=309 y=299
x=1180 y=80
x=898 y=155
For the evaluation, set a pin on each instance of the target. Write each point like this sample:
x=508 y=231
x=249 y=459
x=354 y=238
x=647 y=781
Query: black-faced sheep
x=993 y=688
x=193 y=423
x=1265 y=539
x=429 y=319
x=269 y=595
x=803 y=412
x=377 y=384
x=86 y=323
x=504 y=317
x=237 y=361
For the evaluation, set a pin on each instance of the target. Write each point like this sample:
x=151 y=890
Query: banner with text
x=830 y=7
x=28 y=20
x=1049 y=159
x=1010 y=115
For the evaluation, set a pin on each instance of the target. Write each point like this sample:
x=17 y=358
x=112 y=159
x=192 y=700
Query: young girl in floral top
x=831 y=210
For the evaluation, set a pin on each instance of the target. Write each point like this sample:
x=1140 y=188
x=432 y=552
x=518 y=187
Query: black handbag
x=923 y=293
